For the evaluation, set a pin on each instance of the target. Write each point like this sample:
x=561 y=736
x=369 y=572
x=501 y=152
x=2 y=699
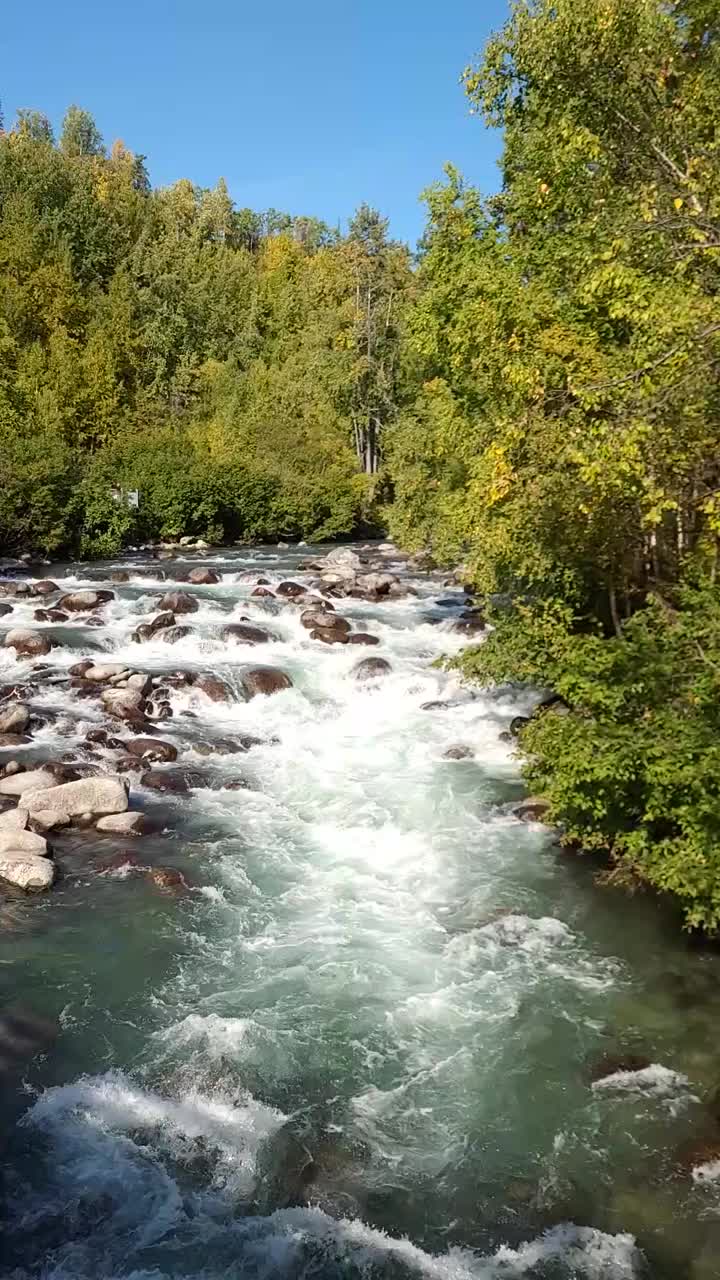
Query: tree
x=80 y=135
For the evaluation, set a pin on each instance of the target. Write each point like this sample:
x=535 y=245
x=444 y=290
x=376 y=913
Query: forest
x=534 y=395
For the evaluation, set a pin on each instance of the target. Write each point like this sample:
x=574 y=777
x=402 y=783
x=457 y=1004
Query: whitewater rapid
x=357 y=1045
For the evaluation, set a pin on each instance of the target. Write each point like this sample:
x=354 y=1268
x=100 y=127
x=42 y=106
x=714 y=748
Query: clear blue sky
x=308 y=107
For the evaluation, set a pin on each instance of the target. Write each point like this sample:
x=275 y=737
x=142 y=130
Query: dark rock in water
x=167 y=878
x=458 y=752
x=173 y=781
x=265 y=680
x=470 y=624
x=611 y=1063
x=517 y=724
x=533 y=809
x=171 y=635
x=23 y=1034
x=79 y=668
x=44 y=588
x=85 y=601
x=5 y=609
x=13 y=740
x=317 y=619
x=227 y=746
x=262 y=582
x=241 y=633
x=214 y=688
x=179 y=602
x=152 y=749
x=50 y=615
x=291 y=590
x=696 y=1152
x=98 y=737
x=262 y=591
x=329 y=636
x=286 y=1170
x=120 y=575
x=371 y=669
x=203 y=577
x=435 y=706
x=363 y=637
x=233 y=784
x=146 y=630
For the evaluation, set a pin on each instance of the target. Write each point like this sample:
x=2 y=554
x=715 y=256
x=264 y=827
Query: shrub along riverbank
x=538 y=396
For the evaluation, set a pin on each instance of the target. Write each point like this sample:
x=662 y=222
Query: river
x=359 y=1044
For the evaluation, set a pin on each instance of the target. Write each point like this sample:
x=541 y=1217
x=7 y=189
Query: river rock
x=214 y=688
x=15 y=718
x=329 y=637
x=291 y=590
x=97 y=795
x=27 y=644
x=120 y=575
x=171 y=635
x=458 y=752
x=532 y=809
x=79 y=668
x=167 y=877
x=242 y=633
x=363 y=637
x=376 y=585
x=27 y=871
x=371 y=669
x=33 y=780
x=517 y=724
x=470 y=624
x=203 y=577
x=44 y=587
x=20 y=840
x=611 y=1064
x=152 y=749
x=173 y=781
x=85 y=601
x=324 y=620
x=14 y=820
x=122 y=824
x=124 y=704
x=5 y=609
x=48 y=820
x=265 y=680
x=179 y=602
x=103 y=671
x=50 y=615
x=343 y=560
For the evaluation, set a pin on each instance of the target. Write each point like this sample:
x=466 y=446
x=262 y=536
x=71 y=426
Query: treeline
x=238 y=369
x=538 y=396
x=565 y=435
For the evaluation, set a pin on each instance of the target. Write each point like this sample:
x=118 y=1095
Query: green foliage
x=162 y=340
x=563 y=437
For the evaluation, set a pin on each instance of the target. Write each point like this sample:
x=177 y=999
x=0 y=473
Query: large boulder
x=44 y=588
x=14 y=718
x=179 y=602
x=33 y=780
x=291 y=590
x=265 y=680
x=203 y=577
x=27 y=871
x=173 y=781
x=243 y=633
x=343 y=561
x=85 y=601
x=376 y=585
x=171 y=635
x=14 y=820
x=102 y=671
x=324 y=620
x=96 y=795
x=49 y=615
x=20 y=840
x=372 y=669
x=27 y=644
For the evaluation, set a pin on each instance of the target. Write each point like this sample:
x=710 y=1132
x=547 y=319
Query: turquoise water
x=358 y=1044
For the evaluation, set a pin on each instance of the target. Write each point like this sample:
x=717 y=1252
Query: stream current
x=358 y=1045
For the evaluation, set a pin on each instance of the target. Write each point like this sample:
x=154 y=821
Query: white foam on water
x=709 y=1172
x=653 y=1081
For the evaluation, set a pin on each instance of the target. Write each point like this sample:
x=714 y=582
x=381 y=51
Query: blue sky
x=308 y=107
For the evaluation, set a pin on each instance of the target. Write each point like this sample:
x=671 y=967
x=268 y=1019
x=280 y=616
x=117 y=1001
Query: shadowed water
x=358 y=1044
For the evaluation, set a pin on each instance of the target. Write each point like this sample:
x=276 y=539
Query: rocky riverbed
x=289 y=987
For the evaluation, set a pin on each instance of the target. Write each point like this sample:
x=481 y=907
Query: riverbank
x=370 y=1005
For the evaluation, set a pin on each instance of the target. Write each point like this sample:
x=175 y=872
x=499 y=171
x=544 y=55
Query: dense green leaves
x=222 y=362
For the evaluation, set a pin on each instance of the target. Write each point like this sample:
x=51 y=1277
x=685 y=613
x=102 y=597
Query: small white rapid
x=356 y=1045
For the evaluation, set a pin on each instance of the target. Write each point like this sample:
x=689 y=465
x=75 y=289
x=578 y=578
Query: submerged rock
x=265 y=680
x=363 y=637
x=242 y=633
x=459 y=751
x=49 y=615
x=532 y=809
x=611 y=1064
x=371 y=669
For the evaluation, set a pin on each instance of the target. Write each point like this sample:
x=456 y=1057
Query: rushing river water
x=358 y=1044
